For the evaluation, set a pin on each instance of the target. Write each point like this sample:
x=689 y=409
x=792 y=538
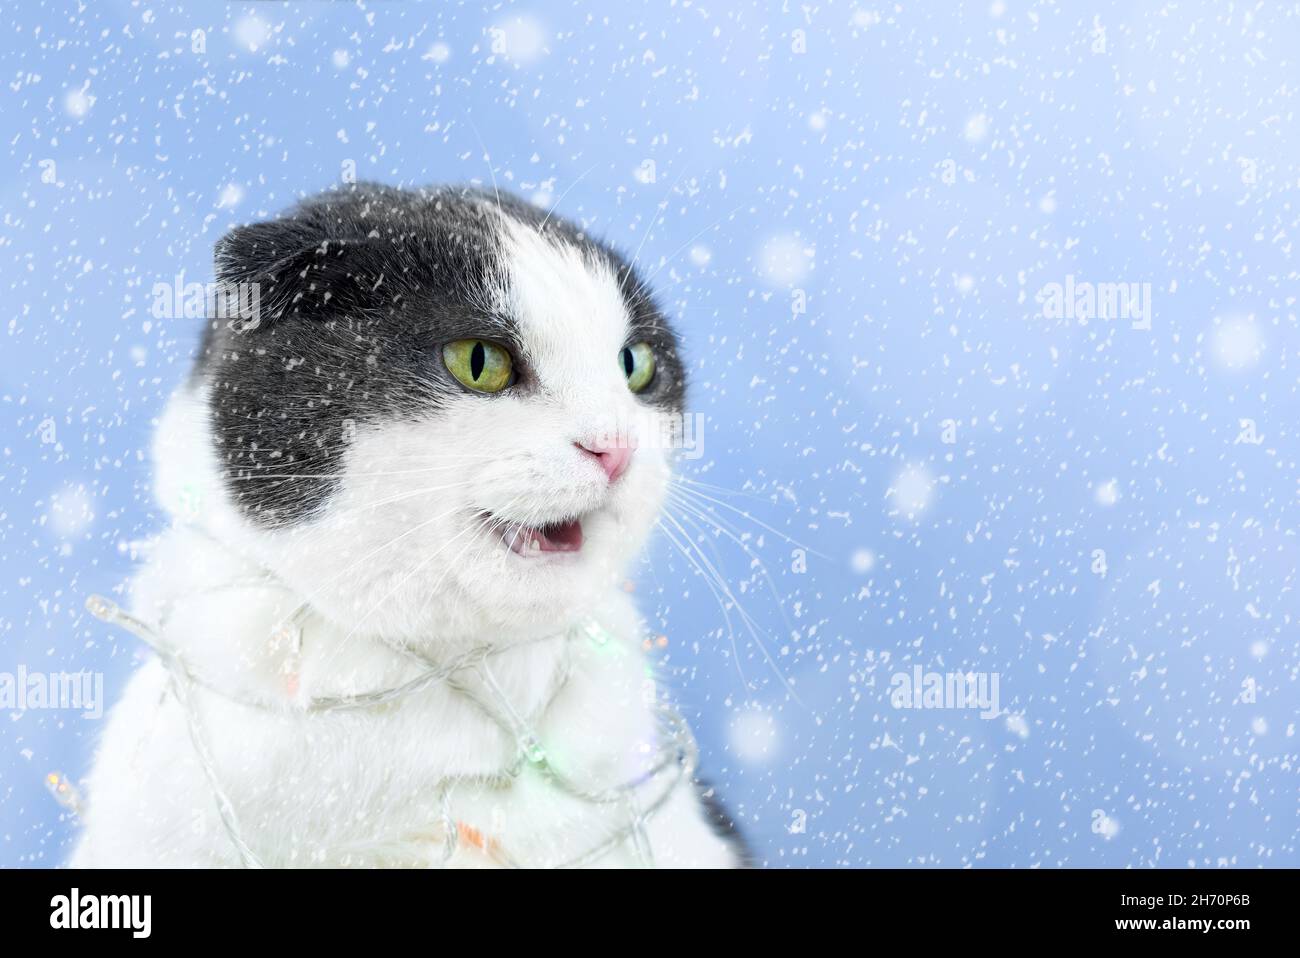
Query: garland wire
x=678 y=747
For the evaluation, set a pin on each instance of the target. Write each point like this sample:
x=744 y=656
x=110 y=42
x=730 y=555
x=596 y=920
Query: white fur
x=399 y=560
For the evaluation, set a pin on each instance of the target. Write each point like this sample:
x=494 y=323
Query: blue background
x=916 y=175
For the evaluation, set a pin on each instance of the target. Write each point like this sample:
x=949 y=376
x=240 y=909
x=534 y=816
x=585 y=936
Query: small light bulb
x=594 y=632
x=533 y=749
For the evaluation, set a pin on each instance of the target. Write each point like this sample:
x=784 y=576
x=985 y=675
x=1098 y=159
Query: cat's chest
x=387 y=784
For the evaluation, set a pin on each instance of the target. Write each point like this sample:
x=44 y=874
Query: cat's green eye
x=483 y=366
x=638 y=365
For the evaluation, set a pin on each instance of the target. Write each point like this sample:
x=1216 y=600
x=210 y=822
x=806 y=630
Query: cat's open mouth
x=526 y=540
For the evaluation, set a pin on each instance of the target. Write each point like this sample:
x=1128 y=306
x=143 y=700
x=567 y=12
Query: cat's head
x=435 y=413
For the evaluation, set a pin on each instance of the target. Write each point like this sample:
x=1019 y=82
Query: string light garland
x=676 y=761
x=64 y=792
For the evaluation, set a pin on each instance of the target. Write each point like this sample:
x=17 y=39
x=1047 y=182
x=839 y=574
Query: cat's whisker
x=726 y=614
x=445 y=460
x=308 y=534
x=706 y=516
x=487 y=543
x=469 y=527
x=556 y=204
x=720 y=490
x=755 y=561
x=715 y=571
x=684 y=498
x=287 y=477
x=749 y=621
x=492 y=526
x=679 y=495
x=487 y=161
x=659 y=208
x=356 y=627
x=332 y=523
x=688 y=500
x=374 y=552
x=755 y=520
x=645 y=283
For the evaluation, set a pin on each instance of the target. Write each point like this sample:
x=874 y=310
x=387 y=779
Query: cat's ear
x=290 y=267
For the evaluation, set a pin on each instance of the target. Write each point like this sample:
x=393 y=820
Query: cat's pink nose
x=613 y=457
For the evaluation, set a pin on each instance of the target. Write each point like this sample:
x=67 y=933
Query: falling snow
x=852 y=212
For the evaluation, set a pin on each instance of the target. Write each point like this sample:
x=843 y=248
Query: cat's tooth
x=536 y=544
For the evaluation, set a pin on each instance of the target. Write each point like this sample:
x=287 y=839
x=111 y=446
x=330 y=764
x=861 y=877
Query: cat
x=425 y=453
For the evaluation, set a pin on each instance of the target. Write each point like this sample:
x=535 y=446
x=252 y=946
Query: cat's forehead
x=554 y=291
x=403 y=272
x=564 y=298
